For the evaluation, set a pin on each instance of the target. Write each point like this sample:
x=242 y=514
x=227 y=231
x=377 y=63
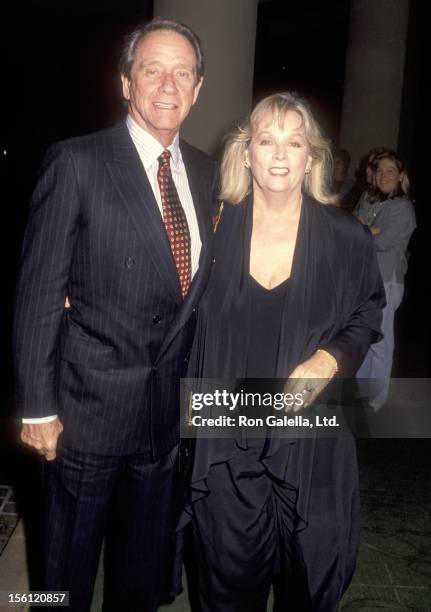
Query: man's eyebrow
x=144 y=62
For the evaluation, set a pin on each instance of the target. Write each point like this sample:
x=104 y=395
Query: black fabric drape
x=334 y=302
x=335 y=299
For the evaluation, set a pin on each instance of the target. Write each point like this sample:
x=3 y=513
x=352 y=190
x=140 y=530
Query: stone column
x=227 y=29
x=374 y=75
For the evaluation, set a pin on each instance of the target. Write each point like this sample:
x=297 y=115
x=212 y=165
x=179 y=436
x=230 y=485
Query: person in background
x=295 y=294
x=363 y=180
x=389 y=214
x=342 y=183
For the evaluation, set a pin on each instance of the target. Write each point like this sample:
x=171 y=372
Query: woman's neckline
x=270 y=289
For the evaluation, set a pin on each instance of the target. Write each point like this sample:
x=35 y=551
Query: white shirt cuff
x=46 y=419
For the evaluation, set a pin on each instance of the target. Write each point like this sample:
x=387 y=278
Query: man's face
x=163 y=85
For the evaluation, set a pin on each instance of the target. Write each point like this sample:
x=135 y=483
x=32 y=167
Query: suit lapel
x=200 y=190
x=130 y=179
x=131 y=182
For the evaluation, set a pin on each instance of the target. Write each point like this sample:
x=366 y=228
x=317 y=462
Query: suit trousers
x=128 y=499
x=374 y=375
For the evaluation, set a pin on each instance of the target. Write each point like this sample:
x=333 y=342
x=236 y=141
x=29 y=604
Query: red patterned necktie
x=175 y=222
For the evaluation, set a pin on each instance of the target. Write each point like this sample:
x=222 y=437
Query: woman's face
x=278 y=156
x=388 y=177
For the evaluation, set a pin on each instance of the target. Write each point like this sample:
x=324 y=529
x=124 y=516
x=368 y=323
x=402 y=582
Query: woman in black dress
x=295 y=293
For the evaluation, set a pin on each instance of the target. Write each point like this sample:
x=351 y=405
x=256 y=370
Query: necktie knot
x=164 y=159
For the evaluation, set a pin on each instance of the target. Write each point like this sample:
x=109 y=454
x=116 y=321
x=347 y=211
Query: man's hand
x=311 y=377
x=43 y=437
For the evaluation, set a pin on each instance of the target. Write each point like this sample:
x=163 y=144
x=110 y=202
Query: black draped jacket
x=334 y=302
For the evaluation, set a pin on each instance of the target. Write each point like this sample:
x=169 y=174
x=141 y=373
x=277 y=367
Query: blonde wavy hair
x=236 y=179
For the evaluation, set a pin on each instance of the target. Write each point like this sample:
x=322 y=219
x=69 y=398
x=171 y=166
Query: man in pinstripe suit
x=105 y=372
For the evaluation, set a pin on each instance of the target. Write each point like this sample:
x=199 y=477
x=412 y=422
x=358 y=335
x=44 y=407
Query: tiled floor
x=8 y=514
x=394 y=565
x=13 y=572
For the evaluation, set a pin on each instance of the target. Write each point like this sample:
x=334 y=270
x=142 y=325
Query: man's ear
x=126 y=87
x=197 y=89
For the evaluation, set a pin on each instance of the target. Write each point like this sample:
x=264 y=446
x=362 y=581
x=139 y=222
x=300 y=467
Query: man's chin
x=165 y=132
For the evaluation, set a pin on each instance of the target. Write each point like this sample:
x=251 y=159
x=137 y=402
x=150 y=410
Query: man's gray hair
x=159 y=23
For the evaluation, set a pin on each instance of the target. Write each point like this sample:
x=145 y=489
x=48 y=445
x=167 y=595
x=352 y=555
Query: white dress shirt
x=149 y=150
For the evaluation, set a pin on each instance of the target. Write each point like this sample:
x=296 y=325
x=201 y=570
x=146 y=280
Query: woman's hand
x=311 y=377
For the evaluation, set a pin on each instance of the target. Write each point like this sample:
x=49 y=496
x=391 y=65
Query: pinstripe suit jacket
x=110 y=365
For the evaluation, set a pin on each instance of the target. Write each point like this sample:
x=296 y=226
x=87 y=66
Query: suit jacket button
x=157 y=319
x=129 y=262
